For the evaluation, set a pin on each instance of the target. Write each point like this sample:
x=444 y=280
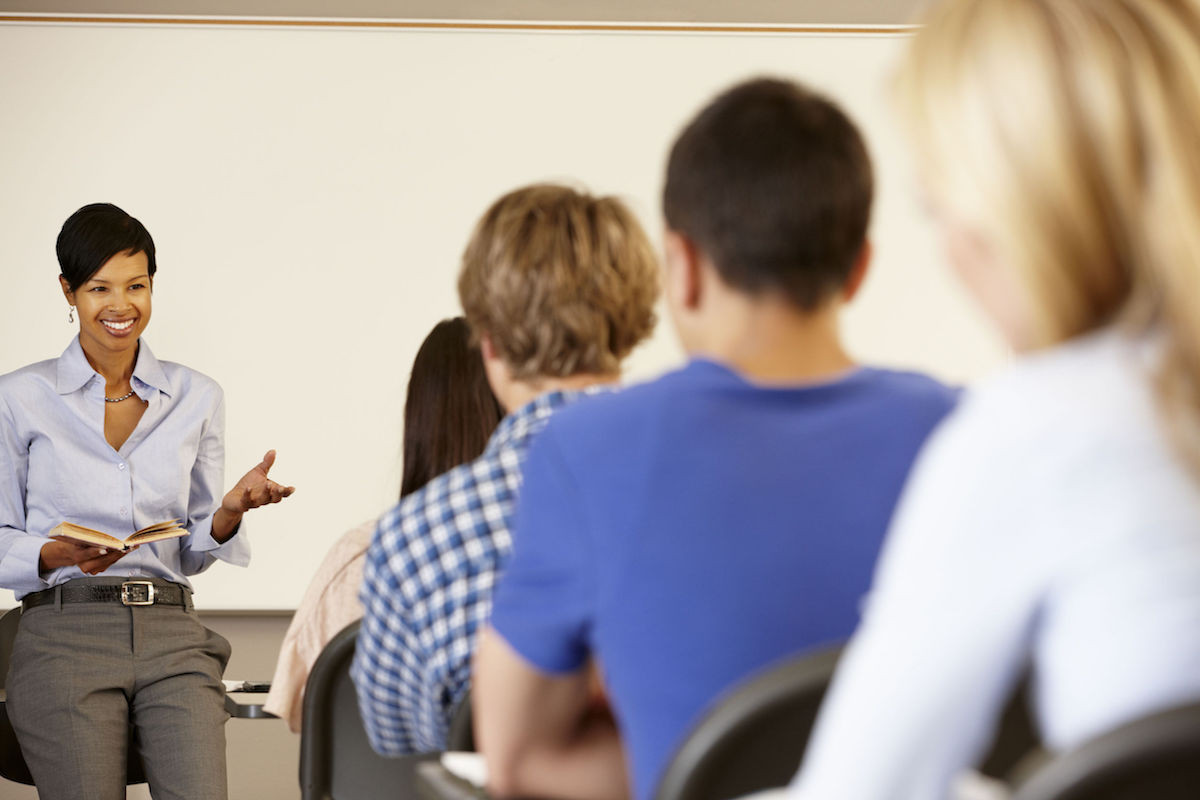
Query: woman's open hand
x=253 y=490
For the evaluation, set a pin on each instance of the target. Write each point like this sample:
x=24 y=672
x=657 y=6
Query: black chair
x=1153 y=758
x=336 y=759
x=1016 y=739
x=12 y=762
x=461 y=736
x=754 y=737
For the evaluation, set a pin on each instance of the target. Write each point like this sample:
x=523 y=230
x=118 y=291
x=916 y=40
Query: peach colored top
x=329 y=605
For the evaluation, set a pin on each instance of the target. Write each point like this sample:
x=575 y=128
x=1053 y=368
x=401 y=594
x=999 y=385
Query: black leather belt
x=129 y=593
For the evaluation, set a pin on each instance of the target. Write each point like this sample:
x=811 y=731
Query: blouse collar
x=74 y=371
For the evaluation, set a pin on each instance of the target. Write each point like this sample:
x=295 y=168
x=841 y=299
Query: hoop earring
x=71 y=314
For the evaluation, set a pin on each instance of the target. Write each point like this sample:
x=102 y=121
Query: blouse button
x=120 y=466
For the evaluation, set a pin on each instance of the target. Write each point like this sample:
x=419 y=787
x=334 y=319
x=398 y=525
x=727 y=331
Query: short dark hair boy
x=688 y=531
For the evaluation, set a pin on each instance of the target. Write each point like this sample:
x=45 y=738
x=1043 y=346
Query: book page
x=156 y=534
x=69 y=531
x=166 y=525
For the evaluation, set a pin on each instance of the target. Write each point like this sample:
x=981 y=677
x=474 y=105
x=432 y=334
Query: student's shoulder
x=432 y=492
x=604 y=414
x=1070 y=405
x=1069 y=434
x=1070 y=385
x=914 y=399
x=464 y=512
x=911 y=386
x=431 y=507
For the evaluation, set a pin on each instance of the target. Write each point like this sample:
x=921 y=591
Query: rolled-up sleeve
x=388 y=659
x=200 y=550
x=19 y=550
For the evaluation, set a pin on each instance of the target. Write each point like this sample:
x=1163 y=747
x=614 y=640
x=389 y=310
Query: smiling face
x=113 y=306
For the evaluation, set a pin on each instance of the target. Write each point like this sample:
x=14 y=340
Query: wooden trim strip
x=452 y=25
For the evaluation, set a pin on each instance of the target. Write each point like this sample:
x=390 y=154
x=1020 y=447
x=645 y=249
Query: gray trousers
x=81 y=673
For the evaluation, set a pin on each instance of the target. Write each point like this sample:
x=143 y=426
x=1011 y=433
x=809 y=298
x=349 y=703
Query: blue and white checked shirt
x=427 y=587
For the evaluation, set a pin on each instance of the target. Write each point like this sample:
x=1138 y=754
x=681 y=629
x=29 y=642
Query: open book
x=70 y=532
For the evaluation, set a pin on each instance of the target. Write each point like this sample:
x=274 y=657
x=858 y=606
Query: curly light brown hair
x=561 y=282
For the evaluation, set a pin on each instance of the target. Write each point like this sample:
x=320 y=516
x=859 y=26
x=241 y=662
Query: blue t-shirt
x=692 y=530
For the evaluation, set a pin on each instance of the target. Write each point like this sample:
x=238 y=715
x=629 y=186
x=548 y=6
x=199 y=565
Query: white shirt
x=1050 y=521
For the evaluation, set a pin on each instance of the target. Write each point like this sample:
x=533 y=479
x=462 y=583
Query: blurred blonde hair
x=561 y=282
x=1067 y=132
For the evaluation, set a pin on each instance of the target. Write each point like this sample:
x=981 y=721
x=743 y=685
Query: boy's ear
x=486 y=348
x=683 y=270
x=858 y=272
x=496 y=370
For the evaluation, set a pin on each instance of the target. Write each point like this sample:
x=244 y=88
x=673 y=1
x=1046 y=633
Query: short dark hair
x=772 y=182
x=450 y=412
x=93 y=235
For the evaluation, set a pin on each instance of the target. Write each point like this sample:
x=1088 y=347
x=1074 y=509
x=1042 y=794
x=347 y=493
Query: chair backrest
x=1153 y=758
x=336 y=759
x=461 y=736
x=9 y=623
x=12 y=761
x=1016 y=737
x=754 y=737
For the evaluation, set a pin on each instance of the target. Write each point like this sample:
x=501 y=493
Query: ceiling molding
x=788 y=14
x=451 y=24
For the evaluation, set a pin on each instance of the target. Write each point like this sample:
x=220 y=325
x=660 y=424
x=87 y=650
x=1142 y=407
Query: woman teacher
x=109 y=437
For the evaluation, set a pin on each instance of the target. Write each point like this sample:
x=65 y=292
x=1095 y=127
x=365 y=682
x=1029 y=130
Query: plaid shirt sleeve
x=386 y=667
x=427 y=588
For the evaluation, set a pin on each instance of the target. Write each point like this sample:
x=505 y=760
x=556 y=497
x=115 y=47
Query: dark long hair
x=450 y=411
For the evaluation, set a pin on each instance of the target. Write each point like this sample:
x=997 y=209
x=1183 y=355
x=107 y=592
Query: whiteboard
x=310 y=192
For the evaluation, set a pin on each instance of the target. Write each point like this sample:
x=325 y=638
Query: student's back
x=689 y=532
x=734 y=525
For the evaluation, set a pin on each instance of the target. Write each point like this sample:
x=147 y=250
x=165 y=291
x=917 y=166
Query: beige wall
x=310 y=192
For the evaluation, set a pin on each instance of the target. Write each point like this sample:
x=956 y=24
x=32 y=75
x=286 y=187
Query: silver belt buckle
x=137 y=593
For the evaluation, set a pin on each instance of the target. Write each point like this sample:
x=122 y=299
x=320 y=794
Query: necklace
x=119 y=399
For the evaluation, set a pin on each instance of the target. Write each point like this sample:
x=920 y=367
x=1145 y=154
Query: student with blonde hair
x=558 y=287
x=1054 y=521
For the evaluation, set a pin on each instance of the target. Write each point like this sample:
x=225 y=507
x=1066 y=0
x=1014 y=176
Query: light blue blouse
x=56 y=465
